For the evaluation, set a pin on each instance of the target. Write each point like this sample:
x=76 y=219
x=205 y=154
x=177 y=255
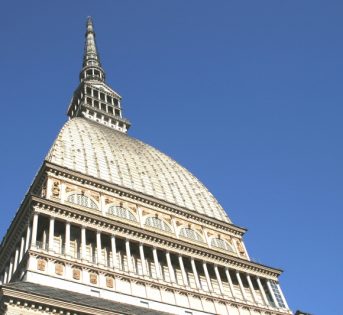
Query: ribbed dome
x=96 y=150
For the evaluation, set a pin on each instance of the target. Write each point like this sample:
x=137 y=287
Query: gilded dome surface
x=101 y=152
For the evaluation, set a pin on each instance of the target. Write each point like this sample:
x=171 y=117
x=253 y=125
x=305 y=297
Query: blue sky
x=246 y=94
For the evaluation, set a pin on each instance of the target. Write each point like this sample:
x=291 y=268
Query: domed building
x=112 y=225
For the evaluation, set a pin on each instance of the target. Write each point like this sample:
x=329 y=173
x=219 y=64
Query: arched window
x=157 y=224
x=222 y=244
x=121 y=212
x=82 y=200
x=191 y=234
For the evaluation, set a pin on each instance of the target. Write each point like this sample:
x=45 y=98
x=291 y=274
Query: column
x=140 y=216
x=227 y=273
x=15 y=262
x=219 y=279
x=175 y=227
x=194 y=269
x=102 y=204
x=6 y=275
x=208 y=279
x=98 y=248
x=67 y=239
x=170 y=268
x=241 y=285
x=272 y=293
x=28 y=234
x=157 y=264
x=22 y=245
x=114 y=251
x=282 y=296
x=143 y=262
x=252 y=289
x=207 y=238
x=10 y=270
x=183 y=271
x=128 y=255
x=34 y=229
x=83 y=242
x=262 y=291
x=51 y=233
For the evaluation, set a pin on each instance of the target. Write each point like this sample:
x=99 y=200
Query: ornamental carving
x=108 y=200
x=109 y=282
x=240 y=248
x=59 y=269
x=69 y=189
x=76 y=274
x=93 y=278
x=56 y=189
x=41 y=264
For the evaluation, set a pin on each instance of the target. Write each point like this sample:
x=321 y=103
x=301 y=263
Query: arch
x=222 y=244
x=158 y=223
x=191 y=234
x=119 y=211
x=82 y=200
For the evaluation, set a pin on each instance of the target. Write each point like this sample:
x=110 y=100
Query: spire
x=92 y=69
x=94 y=99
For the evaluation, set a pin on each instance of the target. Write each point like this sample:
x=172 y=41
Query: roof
x=81 y=299
x=104 y=153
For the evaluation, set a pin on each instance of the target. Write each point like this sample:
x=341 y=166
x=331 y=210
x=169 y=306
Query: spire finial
x=92 y=69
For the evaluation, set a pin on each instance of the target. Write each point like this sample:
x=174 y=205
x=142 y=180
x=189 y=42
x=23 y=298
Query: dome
x=96 y=150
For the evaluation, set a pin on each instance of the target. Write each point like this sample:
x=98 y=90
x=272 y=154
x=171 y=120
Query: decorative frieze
x=76 y=274
x=41 y=264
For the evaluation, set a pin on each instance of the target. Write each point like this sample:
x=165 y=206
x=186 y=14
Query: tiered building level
x=111 y=225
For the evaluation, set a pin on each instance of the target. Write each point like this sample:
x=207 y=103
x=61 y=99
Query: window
x=88 y=91
x=89 y=101
x=157 y=224
x=110 y=110
x=277 y=293
x=117 y=112
x=82 y=200
x=89 y=72
x=222 y=244
x=109 y=99
x=96 y=94
x=103 y=107
x=102 y=96
x=121 y=213
x=191 y=234
x=115 y=101
x=96 y=104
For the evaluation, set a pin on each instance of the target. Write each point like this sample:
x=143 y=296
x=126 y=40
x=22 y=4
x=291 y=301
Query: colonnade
x=156 y=263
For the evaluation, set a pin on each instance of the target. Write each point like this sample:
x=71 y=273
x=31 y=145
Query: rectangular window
x=115 y=101
x=109 y=99
x=96 y=104
x=102 y=96
x=89 y=91
x=117 y=112
x=96 y=93
x=110 y=110
x=103 y=107
x=89 y=101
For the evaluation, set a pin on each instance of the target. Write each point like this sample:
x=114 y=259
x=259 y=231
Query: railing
x=41 y=245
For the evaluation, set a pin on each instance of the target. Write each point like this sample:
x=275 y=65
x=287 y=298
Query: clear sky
x=245 y=94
